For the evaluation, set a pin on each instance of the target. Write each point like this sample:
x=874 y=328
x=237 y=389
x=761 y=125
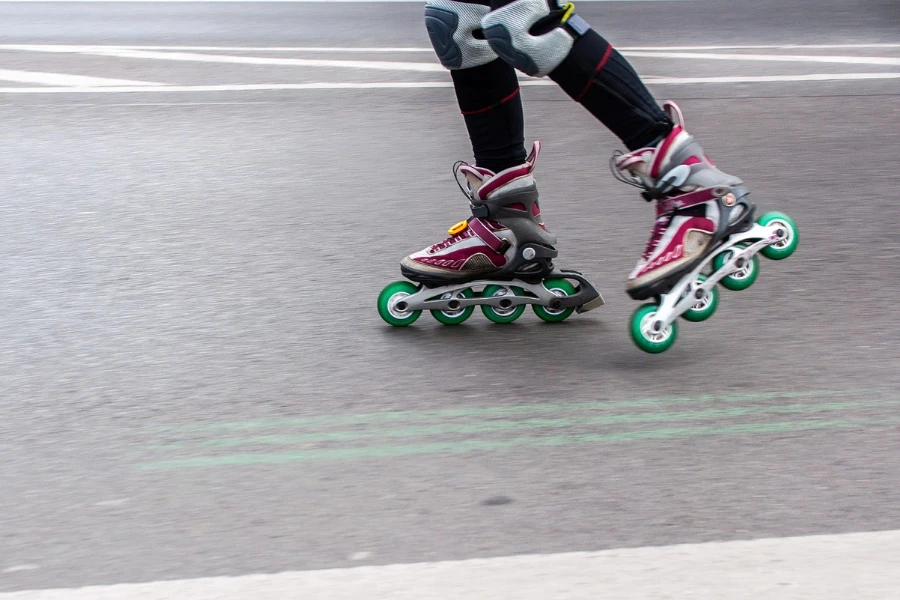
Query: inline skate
x=704 y=234
x=501 y=259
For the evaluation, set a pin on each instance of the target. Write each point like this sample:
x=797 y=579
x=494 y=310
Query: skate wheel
x=392 y=295
x=705 y=307
x=743 y=277
x=499 y=314
x=560 y=288
x=645 y=336
x=455 y=317
x=788 y=243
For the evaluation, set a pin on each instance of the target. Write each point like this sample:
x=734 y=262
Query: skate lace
x=451 y=240
x=656 y=234
x=469 y=193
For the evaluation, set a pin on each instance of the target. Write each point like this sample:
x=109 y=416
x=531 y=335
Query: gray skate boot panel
x=703 y=174
x=523 y=224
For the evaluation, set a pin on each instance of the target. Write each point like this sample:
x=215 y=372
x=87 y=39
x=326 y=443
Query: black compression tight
x=594 y=74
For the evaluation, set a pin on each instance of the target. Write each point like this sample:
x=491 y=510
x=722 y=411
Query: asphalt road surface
x=199 y=206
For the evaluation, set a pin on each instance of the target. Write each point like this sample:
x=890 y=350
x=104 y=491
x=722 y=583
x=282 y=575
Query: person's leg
x=487 y=88
x=500 y=186
x=541 y=38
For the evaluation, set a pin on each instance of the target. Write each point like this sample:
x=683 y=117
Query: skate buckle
x=458 y=228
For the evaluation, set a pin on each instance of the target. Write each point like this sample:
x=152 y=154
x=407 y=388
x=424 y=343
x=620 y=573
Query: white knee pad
x=507 y=31
x=450 y=25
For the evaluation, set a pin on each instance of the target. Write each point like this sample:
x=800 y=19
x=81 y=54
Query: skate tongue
x=505 y=177
x=674 y=112
x=470 y=178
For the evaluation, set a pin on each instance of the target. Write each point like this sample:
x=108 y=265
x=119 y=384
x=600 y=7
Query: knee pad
x=451 y=26
x=508 y=31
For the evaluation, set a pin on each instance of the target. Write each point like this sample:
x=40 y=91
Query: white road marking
x=61 y=79
x=69 y=48
x=20 y=568
x=117 y=501
x=812 y=77
x=258 y=60
x=861 y=566
x=120 y=52
x=299 y=1
x=366 y=50
x=360 y=556
x=267 y=87
x=845 y=60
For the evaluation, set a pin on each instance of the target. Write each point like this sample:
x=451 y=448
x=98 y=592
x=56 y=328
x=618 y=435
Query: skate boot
x=703 y=216
x=501 y=259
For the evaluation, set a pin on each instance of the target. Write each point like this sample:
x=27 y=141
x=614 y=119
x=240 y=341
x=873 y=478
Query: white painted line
x=386 y=85
x=264 y=87
x=857 y=566
x=297 y=1
x=61 y=79
x=69 y=48
x=885 y=46
x=432 y=66
x=66 y=48
x=256 y=60
x=847 y=60
x=20 y=568
x=813 y=77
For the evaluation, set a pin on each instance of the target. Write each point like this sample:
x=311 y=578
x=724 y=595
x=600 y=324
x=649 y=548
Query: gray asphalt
x=194 y=380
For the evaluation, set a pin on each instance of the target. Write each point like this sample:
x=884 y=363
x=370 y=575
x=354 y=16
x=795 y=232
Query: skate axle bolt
x=699 y=294
x=453 y=304
x=401 y=306
x=657 y=326
x=505 y=303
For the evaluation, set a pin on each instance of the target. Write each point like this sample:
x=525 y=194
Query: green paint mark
x=494 y=411
x=495 y=445
x=487 y=427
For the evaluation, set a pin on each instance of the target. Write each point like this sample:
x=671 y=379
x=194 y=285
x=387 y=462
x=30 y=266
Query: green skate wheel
x=643 y=334
x=392 y=295
x=455 y=317
x=743 y=277
x=560 y=288
x=704 y=308
x=787 y=244
x=498 y=314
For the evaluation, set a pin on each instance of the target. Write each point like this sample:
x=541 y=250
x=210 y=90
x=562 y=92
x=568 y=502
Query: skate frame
x=689 y=291
x=448 y=298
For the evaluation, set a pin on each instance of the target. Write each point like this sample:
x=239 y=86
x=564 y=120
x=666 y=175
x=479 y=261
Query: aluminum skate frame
x=447 y=298
x=689 y=291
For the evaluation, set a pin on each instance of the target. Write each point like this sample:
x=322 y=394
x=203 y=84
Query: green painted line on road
x=510 y=443
x=496 y=426
x=389 y=416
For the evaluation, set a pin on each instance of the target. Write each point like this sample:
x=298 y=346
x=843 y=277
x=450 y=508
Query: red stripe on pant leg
x=599 y=68
x=492 y=106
